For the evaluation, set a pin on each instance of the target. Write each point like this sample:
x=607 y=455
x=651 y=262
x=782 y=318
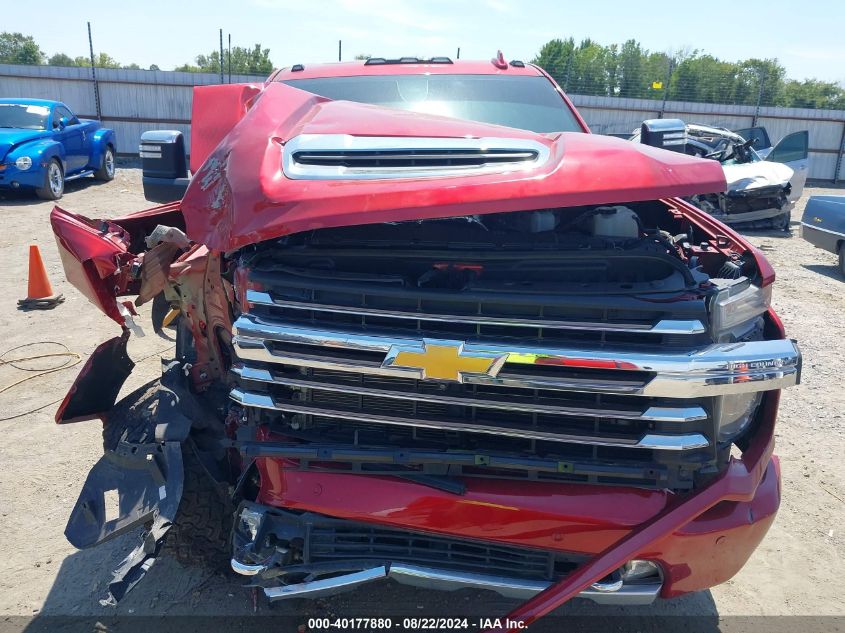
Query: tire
x=106 y=170
x=842 y=259
x=54 y=182
x=200 y=534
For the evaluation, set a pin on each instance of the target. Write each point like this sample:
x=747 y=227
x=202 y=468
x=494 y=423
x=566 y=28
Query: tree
x=17 y=48
x=363 y=56
x=705 y=79
x=60 y=59
x=657 y=74
x=154 y=67
x=633 y=81
x=812 y=93
x=246 y=61
x=591 y=68
x=102 y=60
x=767 y=74
x=589 y=74
x=188 y=68
x=555 y=58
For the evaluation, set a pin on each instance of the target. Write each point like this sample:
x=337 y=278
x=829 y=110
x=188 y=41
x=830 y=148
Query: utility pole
x=339 y=49
x=230 y=58
x=94 y=73
x=221 y=56
x=459 y=52
x=666 y=88
x=839 y=155
x=761 y=76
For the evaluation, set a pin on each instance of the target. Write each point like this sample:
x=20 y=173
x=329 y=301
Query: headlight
x=735 y=315
x=23 y=163
x=733 y=310
x=734 y=412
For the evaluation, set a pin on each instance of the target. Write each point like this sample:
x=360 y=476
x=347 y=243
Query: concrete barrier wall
x=132 y=101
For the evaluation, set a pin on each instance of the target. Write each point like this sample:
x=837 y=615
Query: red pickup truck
x=429 y=328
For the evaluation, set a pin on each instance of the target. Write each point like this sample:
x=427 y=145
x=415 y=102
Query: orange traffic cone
x=39 y=292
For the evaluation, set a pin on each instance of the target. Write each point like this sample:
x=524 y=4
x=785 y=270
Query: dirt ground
x=797 y=570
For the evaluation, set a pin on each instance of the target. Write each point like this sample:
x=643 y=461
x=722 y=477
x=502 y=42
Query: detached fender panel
x=148 y=480
x=95 y=255
x=96 y=387
x=138 y=483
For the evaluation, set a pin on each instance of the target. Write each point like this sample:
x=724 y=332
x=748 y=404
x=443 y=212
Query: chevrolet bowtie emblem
x=443 y=360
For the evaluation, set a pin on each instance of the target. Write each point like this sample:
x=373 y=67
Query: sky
x=807 y=37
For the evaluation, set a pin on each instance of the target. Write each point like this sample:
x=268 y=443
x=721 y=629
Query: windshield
x=23 y=116
x=528 y=103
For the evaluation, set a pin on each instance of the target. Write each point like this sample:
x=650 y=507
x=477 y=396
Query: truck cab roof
x=403 y=66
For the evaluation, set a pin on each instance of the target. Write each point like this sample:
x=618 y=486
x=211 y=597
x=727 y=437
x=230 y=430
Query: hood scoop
x=345 y=157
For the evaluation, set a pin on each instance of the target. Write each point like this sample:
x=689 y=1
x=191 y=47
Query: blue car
x=43 y=145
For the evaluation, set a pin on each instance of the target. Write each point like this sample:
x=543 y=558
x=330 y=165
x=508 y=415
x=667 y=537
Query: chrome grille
x=603 y=390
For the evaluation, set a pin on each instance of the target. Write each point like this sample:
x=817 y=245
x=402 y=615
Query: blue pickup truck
x=43 y=145
x=823 y=225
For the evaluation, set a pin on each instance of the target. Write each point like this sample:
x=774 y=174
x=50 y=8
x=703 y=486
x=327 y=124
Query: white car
x=764 y=182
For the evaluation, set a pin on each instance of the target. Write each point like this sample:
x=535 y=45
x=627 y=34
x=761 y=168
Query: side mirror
x=63 y=122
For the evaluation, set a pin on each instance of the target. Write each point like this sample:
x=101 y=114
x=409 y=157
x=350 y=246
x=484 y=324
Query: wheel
x=842 y=258
x=106 y=170
x=200 y=534
x=54 y=182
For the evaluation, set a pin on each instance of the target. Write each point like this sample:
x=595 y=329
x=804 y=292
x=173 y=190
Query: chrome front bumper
x=616 y=592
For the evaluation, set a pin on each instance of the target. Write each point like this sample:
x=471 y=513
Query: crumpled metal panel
x=240 y=195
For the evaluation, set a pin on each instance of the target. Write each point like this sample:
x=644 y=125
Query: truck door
x=793 y=151
x=72 y=136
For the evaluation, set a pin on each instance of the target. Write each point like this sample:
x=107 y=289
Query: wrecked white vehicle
x=761 y=190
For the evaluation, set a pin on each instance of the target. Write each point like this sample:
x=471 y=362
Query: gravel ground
x=796 y=571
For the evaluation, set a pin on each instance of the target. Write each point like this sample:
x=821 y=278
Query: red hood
x=240 y=195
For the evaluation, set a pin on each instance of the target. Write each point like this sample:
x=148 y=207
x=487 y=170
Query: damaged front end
x=306 y=555
x=528 y=380
x=139 y=480
x=759 y=192
x=758 y=197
